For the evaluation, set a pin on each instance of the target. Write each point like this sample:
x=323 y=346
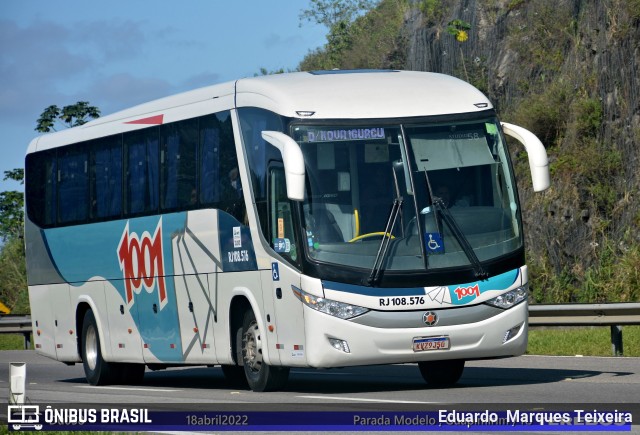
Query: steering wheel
x=376 y=234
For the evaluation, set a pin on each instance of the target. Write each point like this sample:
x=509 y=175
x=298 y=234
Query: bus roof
x=338 y=94
x=355 y=94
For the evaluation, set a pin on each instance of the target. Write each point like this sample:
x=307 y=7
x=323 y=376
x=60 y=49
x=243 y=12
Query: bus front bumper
x=326 y=335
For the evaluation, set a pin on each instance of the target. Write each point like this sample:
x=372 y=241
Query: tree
x=71 y=116
x=332 y=12
x=13 y=275
x=338 y=16
x=12 y=208
x=12 y=265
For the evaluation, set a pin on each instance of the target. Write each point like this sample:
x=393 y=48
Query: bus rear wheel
x=260 y=376
x=441 y=373
x=96 y=369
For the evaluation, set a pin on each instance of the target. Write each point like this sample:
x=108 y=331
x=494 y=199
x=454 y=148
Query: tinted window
x=178 y=159
x=253 y=122
x=177 y=166
x=220 y=184
x=73 y=185
x=42 y=176
x=142 y=174
x=106 y=167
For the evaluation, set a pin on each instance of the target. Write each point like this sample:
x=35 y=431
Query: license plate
x=421 y=344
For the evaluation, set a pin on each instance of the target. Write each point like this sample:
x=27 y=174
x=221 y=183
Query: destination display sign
x=344 y=134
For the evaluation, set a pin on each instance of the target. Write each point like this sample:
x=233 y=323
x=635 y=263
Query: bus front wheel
x=96 y=369
x=441 y=373
x=260 y=375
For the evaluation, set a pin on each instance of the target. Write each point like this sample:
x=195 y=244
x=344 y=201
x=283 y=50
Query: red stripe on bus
x=152 y=120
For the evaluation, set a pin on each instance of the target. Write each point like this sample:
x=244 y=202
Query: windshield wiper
x=376 y=270
x=439 y=204
x=440 y=208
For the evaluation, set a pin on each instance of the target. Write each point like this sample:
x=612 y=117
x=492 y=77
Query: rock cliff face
x=569 y=71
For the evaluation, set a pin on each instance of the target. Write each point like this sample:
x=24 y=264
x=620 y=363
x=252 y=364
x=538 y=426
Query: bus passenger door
x=288 y=314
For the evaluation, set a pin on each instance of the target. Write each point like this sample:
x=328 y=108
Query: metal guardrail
x=584 y=314
x=614 y=315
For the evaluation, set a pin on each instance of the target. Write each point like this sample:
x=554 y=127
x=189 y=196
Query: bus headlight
x=510 y=298
x=328 y=306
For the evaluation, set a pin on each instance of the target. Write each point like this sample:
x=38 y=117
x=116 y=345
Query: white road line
x=356 y=399
x=126 y=388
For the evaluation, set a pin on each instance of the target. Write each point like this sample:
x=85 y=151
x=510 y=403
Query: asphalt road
x=527 y=380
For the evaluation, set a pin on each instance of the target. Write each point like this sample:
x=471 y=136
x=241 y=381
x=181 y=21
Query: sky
x=119 y=53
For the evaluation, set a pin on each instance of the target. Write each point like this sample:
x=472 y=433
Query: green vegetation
x=432 y=10
x=373 y=40
x=70 y=116
x=13 y=276
x=592 y=341
x=561 y=70
x=582 y=233
x=12 y=342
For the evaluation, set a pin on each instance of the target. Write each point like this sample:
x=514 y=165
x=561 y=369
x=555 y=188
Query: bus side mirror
x=293 y=162
x=538 y=161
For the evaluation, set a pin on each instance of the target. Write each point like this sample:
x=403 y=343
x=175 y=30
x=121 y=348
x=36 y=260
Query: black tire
x=442 y=373
x=235 y=376
x=96 y=369
x=260 y=376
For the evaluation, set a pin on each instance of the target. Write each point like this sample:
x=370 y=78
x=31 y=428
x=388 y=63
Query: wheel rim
x=91 y=347
x=253 y=348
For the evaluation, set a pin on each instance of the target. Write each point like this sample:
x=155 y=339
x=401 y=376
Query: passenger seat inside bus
x=324 y=224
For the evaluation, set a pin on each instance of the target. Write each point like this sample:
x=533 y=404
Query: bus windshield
x=408 y=197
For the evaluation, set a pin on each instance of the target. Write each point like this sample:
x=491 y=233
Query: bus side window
x=178 y=155
x=106 y=178
x=142 y=177
x=220 y=184
x=41 y=191
x=73 y=185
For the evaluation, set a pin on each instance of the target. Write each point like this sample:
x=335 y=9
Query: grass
x=12 y=342
x=587 y=341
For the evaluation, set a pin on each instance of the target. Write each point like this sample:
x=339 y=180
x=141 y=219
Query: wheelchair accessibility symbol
x=434 y=243
x=275 y=274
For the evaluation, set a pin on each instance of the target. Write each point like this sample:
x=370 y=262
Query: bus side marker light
x=129 y=330
x=172 y=346
x=271 y=328
x=59 y=346
x=38 y=332
x=279 y=346
x=205 y=346
x=121 y=345
x=195 y=329
x=146 y=346
x=70 y=331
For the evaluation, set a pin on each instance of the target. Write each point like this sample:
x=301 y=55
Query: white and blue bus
x=313 y=219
